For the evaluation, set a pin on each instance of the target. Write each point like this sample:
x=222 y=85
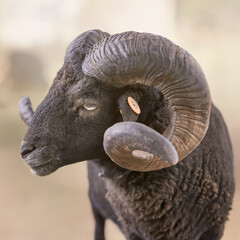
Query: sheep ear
x=129 y=108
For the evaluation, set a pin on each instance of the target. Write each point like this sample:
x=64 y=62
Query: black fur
x=188 y=201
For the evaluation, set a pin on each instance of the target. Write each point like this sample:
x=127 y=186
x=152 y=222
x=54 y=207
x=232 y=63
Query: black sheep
x=139 y=108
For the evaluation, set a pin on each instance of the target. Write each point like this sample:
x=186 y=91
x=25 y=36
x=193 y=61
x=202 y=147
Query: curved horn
x=84 y=42
x=131 y=143
x=25 y=109
x=129 y=58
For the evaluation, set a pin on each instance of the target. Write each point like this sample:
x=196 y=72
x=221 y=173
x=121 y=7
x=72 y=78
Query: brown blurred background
x=33 y=39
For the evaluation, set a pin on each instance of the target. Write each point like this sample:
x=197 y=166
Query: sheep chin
x=33 y=172
x=45 y=169
x=40 y=172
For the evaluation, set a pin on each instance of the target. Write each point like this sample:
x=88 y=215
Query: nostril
x=26 y=149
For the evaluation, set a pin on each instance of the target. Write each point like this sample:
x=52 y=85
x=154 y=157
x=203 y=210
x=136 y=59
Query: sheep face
x=73 y=118
x=68 y=126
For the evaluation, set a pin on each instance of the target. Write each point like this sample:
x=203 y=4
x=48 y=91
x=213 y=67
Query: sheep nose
x=26 y=149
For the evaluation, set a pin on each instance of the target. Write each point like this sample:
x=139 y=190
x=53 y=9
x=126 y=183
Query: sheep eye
x=89 y=106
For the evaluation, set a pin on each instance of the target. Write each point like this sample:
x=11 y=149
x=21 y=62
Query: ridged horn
x=84 y=42
x=25 y=109
x=130 y=58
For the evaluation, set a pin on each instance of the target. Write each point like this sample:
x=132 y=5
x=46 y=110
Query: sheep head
x=80 y=115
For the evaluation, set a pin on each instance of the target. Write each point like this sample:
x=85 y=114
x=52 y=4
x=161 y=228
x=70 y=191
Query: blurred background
x=33 y=39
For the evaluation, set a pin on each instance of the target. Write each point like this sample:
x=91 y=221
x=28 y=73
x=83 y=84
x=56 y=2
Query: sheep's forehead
x=83 y=86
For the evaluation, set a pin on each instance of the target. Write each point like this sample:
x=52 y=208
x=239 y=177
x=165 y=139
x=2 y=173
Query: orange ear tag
x=133 y=105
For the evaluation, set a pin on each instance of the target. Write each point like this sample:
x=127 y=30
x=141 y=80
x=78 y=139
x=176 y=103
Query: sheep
x=138 y=108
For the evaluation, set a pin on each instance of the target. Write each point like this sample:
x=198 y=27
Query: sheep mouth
x=41 y=162
x=45 y=168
